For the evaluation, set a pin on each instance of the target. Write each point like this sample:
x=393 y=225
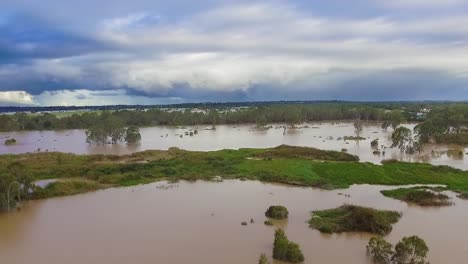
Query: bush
x=348 y=218
x=263 y=259
x=411 y=250
x=285 y=250
x=277 y=212
x=268 y=222
x=380 y=250
x=10 y=141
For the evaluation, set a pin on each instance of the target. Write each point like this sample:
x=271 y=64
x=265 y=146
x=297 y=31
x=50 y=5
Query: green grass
x=351 y=218
x=419 y=195
x=176 y=164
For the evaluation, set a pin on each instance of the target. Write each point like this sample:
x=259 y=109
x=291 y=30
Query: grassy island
x=351 y=218
x=284 y=164
x=422 y=196
x=277 y=212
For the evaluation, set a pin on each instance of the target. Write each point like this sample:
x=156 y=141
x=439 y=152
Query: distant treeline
x=261 y=115
x=441 y=122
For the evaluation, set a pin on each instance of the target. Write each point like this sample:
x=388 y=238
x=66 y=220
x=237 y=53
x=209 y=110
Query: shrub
x=411 y=250
x=285 y=250
x=277 y=212
x=10 y=141
x=263 y=259
x=268 y=222
x=380 y=250
x=348 y=218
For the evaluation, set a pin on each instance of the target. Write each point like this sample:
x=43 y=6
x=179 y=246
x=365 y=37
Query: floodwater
x=200 y=223
x=319 y=135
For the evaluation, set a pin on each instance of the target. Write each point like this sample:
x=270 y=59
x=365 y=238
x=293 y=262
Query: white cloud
x=423 y=3
x=233 y=48
x=15 y=98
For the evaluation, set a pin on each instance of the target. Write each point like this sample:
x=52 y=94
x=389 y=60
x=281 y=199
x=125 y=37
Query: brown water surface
x=199 y=223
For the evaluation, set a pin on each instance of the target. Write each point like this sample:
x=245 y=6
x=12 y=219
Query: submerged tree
x=263 y=259
x=132 y=135
x=411 y=250
x=380 y=250
x=285 y=250
x=402 y=138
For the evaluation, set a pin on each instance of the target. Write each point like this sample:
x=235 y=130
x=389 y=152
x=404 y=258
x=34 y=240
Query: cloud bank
x=234 y=51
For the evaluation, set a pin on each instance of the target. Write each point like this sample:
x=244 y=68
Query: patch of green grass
x=419 y=195
x=175 y=164
x=277 y=212
x=351 y=218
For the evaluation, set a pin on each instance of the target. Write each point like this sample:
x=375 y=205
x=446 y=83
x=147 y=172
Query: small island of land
x=423 y=196
x=351 y=218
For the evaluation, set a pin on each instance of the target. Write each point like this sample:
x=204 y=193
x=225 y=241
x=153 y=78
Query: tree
x=115 y=129
x=401 y=138
x=96 y=134
x=132 y=135
x=358 y=127
x=411 y=250
x=285 y=250
x=380 y=250
x=263 y=259
x=14 y=182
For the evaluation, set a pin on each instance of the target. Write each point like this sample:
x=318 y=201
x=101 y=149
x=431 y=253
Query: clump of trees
x=15 y=184
x=410 y=250
x=113 y=129
x=277 y=212
x=285 y=250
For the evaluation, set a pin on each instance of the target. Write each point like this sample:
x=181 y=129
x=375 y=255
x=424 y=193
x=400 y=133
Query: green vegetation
x=357 y=138
x=375 y=143
x=380 y=250
x=418 y=195
x=285 y=250
x=10 y=141
x=64 y=188
x=351 y=218
x=15 y=183
x=114 y=128
x=268 y=222
x=176 y=164
x=410 y=250
x=293 y=152
x=277 y=212
x=260 y=114
x=263 y=259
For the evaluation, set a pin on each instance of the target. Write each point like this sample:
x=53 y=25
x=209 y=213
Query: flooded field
x=201 y=223
x=320 y=135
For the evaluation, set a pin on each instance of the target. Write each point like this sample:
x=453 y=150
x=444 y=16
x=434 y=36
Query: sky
x=90 y=52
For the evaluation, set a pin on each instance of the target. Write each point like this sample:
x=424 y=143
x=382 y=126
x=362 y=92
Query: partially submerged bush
x=380 y=250
x=285 y=250
x=268 y=222
x=374 y=143
x=349 y=218
x=10 y=141
x=411 y=250
x=357 y=138
x=277 y=212
x=263 y=259
x=463 y=195
x=419 y=195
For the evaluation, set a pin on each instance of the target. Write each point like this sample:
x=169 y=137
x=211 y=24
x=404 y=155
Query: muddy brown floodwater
x=200 y=223
x=319 y=135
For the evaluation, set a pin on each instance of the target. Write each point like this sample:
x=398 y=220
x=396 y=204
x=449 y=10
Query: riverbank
x=284 y=164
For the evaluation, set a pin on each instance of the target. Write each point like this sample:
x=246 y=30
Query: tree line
x=261 y=115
